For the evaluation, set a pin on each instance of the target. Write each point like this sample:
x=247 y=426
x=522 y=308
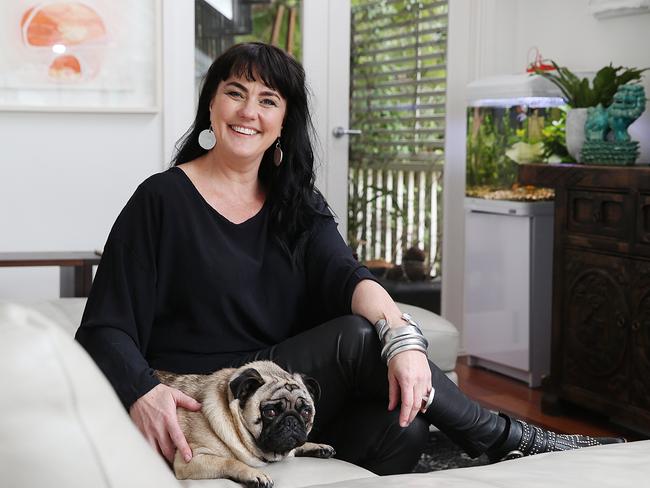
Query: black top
x=181 y=288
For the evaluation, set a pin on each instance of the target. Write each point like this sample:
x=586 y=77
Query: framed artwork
x=80 y=55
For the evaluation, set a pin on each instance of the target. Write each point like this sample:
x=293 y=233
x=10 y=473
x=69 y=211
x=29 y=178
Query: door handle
x=340 y=132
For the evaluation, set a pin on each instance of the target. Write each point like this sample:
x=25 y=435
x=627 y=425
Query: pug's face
x=275 y=406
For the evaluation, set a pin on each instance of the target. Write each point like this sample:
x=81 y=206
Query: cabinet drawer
x=600 y=214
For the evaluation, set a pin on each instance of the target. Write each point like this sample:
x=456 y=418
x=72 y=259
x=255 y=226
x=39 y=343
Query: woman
x=232 y=255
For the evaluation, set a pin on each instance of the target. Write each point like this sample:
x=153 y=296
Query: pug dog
x=250 y=416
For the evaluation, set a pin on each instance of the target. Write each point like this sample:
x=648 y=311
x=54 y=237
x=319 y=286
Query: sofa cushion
x=64 y=312
x=443 y=337
x=60 y=421
x=612 y=466
x=298 y=473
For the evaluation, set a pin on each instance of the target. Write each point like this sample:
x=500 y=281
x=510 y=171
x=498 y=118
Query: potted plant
x=414 y=264
x=581 y=94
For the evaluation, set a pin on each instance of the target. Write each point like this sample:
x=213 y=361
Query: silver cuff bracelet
x=400 y=349
x=389 y=349
x=399 y=339
x=406 y=330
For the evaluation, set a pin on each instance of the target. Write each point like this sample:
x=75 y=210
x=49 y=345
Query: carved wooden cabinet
x=601 y=289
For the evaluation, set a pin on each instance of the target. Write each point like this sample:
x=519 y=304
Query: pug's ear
x=312 y=387
x=244 y=385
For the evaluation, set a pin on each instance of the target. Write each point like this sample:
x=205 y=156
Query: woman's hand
x=155 y=415
x=409 y=378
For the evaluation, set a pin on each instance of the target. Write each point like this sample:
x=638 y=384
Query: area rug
x=441 y=453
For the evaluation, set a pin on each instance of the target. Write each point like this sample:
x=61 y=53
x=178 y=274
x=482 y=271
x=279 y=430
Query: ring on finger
x=428 y=400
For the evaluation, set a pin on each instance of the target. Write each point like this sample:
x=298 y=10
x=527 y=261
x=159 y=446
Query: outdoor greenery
x=359 y=202
x=397 y=98
x=398 y=52
x=263 y=19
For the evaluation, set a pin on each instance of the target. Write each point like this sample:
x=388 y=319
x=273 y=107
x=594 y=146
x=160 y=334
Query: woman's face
x=246 y=118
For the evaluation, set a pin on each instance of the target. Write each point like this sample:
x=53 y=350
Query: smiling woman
x=228 y=258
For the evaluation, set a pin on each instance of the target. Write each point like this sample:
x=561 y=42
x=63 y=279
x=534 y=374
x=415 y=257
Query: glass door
x=397 y=100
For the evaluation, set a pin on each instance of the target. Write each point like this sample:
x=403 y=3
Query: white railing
x=391 y=209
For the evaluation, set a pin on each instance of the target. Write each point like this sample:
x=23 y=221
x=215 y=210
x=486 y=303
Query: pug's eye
x=269 y=412
x=305 y=412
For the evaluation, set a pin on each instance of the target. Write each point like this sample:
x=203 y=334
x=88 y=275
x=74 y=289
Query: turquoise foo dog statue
x=606 y=137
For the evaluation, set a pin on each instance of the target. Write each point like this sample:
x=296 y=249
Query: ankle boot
x=522 y=439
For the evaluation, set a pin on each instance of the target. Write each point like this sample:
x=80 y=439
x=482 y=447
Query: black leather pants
x=343 y=355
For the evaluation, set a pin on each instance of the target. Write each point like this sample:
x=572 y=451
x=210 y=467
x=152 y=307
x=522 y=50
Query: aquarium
x=509 y=228
x=508 y=126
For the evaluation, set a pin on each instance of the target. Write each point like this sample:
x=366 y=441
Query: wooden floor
x=499 y=392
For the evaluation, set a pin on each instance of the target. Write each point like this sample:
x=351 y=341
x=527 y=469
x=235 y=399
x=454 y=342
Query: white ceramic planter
x=575 y=131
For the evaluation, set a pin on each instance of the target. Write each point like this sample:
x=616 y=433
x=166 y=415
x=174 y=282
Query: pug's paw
x=323 y=451
x=326 y=451
x=255 y=478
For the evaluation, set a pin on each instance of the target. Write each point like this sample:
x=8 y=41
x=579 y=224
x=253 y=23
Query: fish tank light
x=532 y=102
x=512 y=120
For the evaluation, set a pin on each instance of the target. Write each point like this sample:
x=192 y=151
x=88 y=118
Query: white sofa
x=61 y=425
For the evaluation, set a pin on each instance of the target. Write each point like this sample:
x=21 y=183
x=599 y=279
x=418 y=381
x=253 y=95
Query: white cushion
x=61 y=424
x=612 y=466
x=298 y=473
x=442 y=336
x=65 y=312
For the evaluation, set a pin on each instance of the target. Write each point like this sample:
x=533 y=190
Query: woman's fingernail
x=188 y=458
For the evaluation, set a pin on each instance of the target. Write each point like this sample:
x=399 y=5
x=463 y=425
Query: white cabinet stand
x=508 y=274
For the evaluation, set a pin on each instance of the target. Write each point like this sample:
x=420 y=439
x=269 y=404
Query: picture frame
x=80 y=56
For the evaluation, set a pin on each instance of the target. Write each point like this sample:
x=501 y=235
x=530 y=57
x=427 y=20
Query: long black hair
x=291 y=195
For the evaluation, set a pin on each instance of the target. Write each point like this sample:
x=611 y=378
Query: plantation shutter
x=398 y=81
x=397 y=99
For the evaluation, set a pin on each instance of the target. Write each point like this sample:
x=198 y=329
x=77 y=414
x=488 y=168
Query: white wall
x=492 y=37
x=453 y=227
x=64 y=177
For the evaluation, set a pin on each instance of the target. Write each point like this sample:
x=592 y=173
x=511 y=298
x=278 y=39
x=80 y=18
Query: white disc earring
x=207 y=140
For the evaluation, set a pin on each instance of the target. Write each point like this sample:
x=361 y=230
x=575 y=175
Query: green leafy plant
x=554 y=139
x=499 y=139
x=579 y=93
x=491 y=132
